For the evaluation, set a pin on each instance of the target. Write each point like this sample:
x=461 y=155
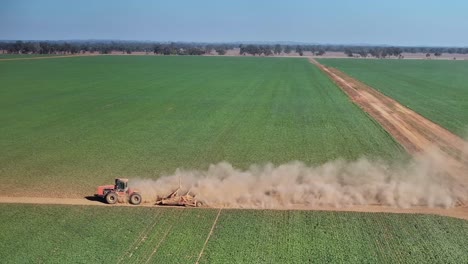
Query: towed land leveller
x=175 y=199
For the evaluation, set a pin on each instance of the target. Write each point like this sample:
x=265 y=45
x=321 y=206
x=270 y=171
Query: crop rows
x=335 y=237
x=96 y=234
x=75 y=123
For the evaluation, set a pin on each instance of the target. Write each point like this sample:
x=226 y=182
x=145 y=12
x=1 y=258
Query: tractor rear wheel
x=135 y=199
x=111 y=198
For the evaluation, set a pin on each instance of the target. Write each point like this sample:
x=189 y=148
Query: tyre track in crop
x=140 y=239
x=414 y=132
x=208 y=237
x=155 y=249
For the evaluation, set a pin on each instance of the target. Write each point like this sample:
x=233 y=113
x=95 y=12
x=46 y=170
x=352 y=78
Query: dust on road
x=460 y=212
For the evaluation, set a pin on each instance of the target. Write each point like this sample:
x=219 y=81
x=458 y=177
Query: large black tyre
x=111 y=198
x=135 y=199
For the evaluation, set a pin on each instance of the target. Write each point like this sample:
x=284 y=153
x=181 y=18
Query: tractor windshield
x=121 y=185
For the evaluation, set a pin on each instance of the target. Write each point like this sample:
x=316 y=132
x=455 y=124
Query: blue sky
x=397 y=22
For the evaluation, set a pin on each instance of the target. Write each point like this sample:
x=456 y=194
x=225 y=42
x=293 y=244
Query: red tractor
x=118 y=193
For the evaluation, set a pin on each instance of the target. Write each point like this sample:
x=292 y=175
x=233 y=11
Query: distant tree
x=221 y=51
x=395 y=51
x=209 y=49
x=74 y=49
x=28 y=47
x=267 y=52
x=348 y=52
x=105 y=50
x=17 y=47
x=252 y=49
x=363 y=53
x=166 y=50
x=66 y=48
x=277 y=49
x=194 y=51
x=173 y=49
x=157 y=49
x=84 y=49
x=438 y=54
x=428 y=55
x=383 y=53
x=320 y=52
x=242 y=50
x=299 y=50
x=287 y=49
x=373 y=52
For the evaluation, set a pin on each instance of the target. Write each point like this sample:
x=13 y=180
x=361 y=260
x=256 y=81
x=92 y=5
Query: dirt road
x=413 y=131
x=457 y=212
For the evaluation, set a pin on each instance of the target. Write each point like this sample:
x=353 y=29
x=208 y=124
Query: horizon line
x=283 y=42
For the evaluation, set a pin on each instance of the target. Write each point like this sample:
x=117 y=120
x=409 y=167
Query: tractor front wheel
x=135 y=199
x=111 y=198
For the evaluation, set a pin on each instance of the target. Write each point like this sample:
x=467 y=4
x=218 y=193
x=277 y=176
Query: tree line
x=184 y=48
x=105 y=47
x=267 y=50
x=384 y=52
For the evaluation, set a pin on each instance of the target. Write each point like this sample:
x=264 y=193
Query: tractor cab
x=121 y=185
x=119 y=192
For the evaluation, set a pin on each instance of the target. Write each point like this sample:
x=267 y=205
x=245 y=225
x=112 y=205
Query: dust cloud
x=425 y=180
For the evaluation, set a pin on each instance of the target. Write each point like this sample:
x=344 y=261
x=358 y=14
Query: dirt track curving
x=413 y=131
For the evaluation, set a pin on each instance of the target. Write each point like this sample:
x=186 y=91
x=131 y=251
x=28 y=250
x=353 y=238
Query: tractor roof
x=122 y=179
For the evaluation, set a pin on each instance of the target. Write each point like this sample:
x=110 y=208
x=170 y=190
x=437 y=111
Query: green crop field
x=71 y=124
x=96 y=234
x=435 y=89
